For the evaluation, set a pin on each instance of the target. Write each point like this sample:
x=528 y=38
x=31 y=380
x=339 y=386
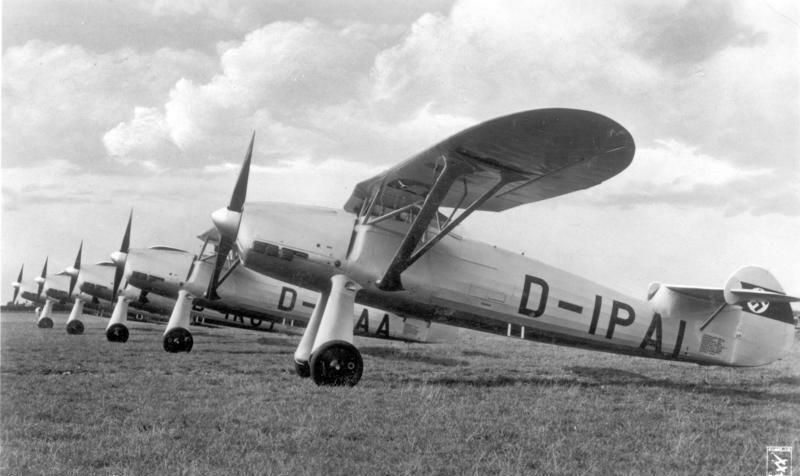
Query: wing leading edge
x=549 y=152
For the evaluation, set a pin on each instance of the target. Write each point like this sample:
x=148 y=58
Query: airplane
x=17 y=284
x=245 y=291
x=38 y=297
x=149 y=279
x=165 y=272
x=94 y=284
x=124 y=293
x=60 y=288
x=34 y=294
x=393 y=246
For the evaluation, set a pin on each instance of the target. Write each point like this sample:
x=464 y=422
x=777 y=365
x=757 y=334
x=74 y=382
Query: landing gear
x=176 y=337
x=74 y=324
x=117 y=333
x=45 y=323
x=177 y=340
x=116 y=330
x=74 y=327
x=326 y=352
x=336 y=363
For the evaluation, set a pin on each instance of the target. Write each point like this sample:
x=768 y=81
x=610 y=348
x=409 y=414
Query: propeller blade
x=240 y=190
x=44 y=275
x=74 y=278
x=126 y=239
x=227 y=221
x=18 y=284
x=224 y=247
x=117 y=281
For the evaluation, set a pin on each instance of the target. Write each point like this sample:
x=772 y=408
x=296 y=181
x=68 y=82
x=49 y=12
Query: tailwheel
x=178 y=340
x=45 y=323
x=302 y=369
x=75 y=327
x=336 y=363
x=117 y=333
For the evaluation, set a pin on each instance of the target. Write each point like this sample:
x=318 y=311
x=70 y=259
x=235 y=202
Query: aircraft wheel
x=178 y=340
x=75 y=327
x=117 y=333
x=336 y=363
x=45 y=323
x=302 y=369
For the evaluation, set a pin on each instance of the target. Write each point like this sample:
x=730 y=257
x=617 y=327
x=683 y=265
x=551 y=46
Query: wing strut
x=408 y=253
x=451 y=171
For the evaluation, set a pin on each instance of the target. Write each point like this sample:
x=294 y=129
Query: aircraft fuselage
x=475 y=285
x=247 y=294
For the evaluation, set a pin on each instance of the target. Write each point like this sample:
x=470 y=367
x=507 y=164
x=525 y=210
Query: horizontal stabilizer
x=753 y=289
x=714 y=295
x=717 y=295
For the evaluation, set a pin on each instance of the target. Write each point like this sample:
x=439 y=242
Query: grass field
x=79 y=405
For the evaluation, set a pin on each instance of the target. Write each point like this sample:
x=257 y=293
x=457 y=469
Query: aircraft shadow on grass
x=601 y=377
x=272 y=341
x=274 y=351
x=402 y=355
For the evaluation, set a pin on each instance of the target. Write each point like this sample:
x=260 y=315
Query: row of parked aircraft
x=390 y=265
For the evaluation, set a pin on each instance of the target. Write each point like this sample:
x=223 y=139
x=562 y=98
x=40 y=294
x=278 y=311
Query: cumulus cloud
x=146 y=131
x=316 y=90
x=59 y=100
x=681 y=34
x=678 y=175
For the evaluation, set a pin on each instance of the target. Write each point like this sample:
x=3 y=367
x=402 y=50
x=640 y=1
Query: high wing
x=493 y=166
x=545 y=153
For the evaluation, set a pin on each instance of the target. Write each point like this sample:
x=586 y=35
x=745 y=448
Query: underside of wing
x=535 y=155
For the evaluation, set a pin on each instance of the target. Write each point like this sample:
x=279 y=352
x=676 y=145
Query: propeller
x=41 y=278
x=75 y=270
x=17 y=284
x=227 y=221
x=120 y=257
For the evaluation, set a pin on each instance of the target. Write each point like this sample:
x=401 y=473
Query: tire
x=336 y=363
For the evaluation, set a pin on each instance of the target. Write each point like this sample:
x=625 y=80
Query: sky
x=148 y=105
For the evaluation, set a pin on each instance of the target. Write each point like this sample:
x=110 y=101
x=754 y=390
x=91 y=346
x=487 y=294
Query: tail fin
x=758 y=292
x=767 y=323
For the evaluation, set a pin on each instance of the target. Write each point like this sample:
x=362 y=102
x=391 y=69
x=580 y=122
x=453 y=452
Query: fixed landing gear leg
x=45 y=321
x=177 y=337
x=334 y=359
x=74 y=324
x=303 y=353
x=117 y=331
